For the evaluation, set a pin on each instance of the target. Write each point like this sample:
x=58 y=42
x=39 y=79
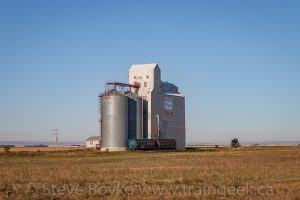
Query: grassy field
x=216 y=173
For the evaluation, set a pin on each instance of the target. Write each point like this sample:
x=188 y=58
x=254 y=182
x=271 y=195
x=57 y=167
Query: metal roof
x=168 y=84
x=132 y=94
x=173 y=94
x=93 y=138
x=113 y=92
x=150 y=66
x=167 y=87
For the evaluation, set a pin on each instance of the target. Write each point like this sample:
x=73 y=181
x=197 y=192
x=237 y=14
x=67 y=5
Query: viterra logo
x=168 y=103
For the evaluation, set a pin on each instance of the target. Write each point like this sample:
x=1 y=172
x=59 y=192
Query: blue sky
x=237 y=63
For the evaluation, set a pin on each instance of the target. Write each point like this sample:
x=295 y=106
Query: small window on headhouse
x=145 y=84
x=134 y=77
x=147 y=76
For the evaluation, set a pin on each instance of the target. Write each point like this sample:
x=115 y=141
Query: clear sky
x=237 y=63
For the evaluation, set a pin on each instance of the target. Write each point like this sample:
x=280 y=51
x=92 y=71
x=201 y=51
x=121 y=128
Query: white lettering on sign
x=168 y=103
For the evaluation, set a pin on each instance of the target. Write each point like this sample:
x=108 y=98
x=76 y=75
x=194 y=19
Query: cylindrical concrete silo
x=135 y=116
x=114 y=120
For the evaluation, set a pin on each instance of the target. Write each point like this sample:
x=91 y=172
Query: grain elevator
x=144 y=108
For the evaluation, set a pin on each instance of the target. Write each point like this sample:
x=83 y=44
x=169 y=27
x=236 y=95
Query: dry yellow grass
x=224 y=173
x=37 y=149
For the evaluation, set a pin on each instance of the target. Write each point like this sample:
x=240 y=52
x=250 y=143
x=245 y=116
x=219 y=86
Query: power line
x=28 y=133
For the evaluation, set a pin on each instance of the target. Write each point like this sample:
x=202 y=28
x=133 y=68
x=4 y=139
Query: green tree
x=235 y=143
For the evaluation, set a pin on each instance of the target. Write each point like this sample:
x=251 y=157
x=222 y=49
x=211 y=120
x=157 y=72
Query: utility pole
x=55 y=133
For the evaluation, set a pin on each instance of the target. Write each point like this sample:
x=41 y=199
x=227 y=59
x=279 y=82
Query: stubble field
x=210 y=173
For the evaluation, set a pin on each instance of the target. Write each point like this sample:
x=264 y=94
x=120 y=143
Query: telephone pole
x=55 y=133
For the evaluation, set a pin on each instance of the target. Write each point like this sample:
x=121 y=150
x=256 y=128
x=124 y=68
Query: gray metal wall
x=172 y=124
x=114 y=119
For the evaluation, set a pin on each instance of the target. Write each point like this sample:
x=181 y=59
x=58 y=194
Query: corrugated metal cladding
x=131 y=118
x=122 y=118
x=135 y=113
x=114 y=119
